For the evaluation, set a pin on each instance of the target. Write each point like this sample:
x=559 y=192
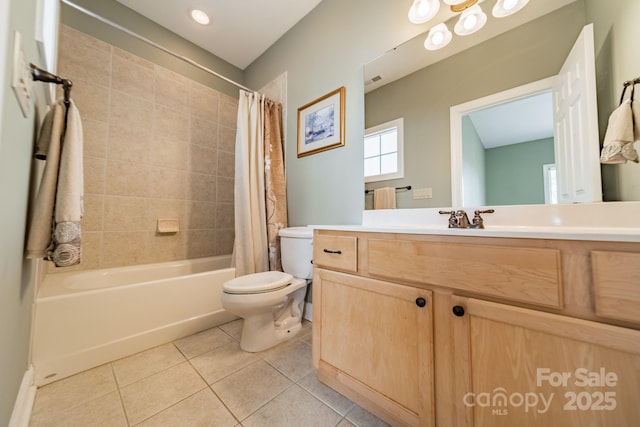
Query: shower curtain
x=260 y=203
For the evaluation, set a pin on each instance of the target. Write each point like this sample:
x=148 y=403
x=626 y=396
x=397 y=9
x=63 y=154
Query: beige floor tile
x=153 y=394
x=345 y=423
x=292 y=358
x=202 y=342
x=146 y=363
x=329 y=396
x=363 y=418
x=75 y=390
x=203 y=409
x=233 y=328
x=224 y=361
x=250 y=388
x=104 y=411
x=294 y=407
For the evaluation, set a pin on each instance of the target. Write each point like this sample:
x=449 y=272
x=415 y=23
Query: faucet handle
x=478 y=222
x=453 y=221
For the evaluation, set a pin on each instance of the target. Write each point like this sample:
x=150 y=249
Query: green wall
x=514 y=173
x=16 y=142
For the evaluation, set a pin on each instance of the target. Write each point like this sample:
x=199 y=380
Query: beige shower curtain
x=260 y=189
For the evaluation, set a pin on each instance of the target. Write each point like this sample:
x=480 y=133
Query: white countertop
x=615 y=221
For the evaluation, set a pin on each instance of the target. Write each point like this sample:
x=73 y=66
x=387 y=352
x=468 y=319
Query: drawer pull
x=327 y=251
x=421 y=302
x=458 y=310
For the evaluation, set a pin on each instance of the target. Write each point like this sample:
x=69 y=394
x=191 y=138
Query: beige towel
x=619 y=137
x=56 y=235
x=384 y=198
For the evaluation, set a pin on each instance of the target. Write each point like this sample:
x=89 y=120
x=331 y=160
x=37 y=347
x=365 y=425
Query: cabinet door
x=528 y=368
x=373 y=342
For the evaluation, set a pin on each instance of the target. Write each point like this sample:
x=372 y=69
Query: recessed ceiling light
x=200 y=17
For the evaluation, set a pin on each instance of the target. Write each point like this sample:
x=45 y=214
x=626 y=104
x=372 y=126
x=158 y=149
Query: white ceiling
x=523 y=120
x=240 y=30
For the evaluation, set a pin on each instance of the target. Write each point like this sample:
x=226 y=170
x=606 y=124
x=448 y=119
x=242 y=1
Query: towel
x=54 y=232
x=619 y=137
x=384 y=198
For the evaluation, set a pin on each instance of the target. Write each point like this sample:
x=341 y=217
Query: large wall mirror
x=529 y=54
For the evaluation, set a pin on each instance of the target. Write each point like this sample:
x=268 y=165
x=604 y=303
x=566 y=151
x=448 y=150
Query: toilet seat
x=257 y=283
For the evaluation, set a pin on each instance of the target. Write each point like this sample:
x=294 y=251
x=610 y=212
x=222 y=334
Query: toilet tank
x=296 y=245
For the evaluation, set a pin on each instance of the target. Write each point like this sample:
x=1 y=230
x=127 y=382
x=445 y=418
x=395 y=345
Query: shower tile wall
x=156 y=145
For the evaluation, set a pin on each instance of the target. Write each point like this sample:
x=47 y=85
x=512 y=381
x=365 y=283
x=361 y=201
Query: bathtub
x=87 y=318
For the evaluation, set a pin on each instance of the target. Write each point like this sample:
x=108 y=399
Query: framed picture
x=321 y=124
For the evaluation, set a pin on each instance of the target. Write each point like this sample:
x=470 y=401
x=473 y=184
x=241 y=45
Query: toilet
x=271 y=303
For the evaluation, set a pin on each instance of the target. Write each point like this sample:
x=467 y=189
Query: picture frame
x=321 y=123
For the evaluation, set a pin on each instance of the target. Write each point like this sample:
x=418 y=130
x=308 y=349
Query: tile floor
x=201 y=380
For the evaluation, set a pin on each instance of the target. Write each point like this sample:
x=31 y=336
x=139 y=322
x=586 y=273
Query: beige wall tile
x=120 y=248
x=227 y=139
x=127 y=214
x=167 y=183
x=202 y=159
x=201 y=187
x=94 y=142
x=129 y=111
x=126 y=179
x=93 y=213
x=204 y=132
x=224 y=215
x=129 y=144
x=83 y=58
x=94 y=170
x=151 y=143
x=224 y=189
x=203 y=102
x=132 y=75
x=226 y=164
x=168 y=153
x=171 y=89
x=171 y=124
x=92 y=100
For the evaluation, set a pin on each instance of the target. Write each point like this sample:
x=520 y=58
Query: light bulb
x=423 y=10
x=470 y=22
x=504 y=8
x=509 y=4
x=439 y=36
x=200 y=17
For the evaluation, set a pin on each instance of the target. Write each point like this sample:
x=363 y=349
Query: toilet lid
x=258 y=282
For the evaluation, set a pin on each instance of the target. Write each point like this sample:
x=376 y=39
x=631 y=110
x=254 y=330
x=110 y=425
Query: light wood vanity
x=450 y=330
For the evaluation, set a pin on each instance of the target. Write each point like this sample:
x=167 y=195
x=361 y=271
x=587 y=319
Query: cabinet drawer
x=336 y=252
x=530 y=275
x=616 y=280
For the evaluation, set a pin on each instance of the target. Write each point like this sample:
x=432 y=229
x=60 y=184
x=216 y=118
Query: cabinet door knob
x=458 y=310
x=421 y=302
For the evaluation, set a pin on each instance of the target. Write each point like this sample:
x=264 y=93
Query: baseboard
x=24 y=401
x=308 y=307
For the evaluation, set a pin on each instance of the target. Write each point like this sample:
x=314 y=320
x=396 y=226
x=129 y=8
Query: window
x=383 y=151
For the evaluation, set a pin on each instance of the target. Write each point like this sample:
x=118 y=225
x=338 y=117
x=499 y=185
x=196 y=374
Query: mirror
x=532 y=51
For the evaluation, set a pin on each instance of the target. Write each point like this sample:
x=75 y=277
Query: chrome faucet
x=459 y=218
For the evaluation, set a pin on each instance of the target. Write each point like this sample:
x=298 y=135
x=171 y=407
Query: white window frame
x=399 y=125
x=546 y=170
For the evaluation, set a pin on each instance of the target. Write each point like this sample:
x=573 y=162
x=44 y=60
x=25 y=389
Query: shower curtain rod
x=152 y=43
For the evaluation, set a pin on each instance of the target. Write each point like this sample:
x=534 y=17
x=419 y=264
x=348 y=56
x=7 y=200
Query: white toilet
x=271 y=303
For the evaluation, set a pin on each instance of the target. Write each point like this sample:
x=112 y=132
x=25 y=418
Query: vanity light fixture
x=508 y=7
x=439 y=36
x=200 y=17
x=471 y=20
x=422 y=11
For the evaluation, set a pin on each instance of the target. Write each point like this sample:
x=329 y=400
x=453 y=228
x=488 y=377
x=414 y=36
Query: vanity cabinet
x=373 y=342
x=516 y=366
x=513 y=331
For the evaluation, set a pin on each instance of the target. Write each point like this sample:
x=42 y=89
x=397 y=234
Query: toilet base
x=264 y=330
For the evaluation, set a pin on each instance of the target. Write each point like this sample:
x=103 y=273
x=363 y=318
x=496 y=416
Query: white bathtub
x=86 y=318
